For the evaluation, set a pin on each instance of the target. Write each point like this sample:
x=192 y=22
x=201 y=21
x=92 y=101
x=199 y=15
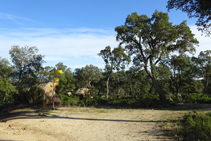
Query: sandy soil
x=84 y=124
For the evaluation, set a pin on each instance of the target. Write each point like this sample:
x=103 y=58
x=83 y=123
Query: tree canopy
x=200 y=9
x=152 y=39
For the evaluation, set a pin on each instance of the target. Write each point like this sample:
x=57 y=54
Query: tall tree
x=114 y=60
x=138 y=81
x=179 y=66
x=202 y=63
x=25 y=60
x=6 y=88
x=152 y=39
x=66 y=79
x=86 y=75
x=200 y=9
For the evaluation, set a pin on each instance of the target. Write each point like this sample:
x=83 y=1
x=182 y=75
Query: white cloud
x=204 y=42
x=75 y=47
x=15 y=19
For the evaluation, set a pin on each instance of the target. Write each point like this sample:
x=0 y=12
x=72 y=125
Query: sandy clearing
x=85 y=124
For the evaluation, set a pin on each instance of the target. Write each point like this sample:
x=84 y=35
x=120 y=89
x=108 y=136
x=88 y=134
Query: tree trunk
x=107 y=90
x=131 y=90
x=206 y=86
x=160 y=91
x=157 y=87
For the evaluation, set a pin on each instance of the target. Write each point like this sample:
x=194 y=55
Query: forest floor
x=90 y=124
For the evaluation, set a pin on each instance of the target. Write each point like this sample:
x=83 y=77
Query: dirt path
x=85 y=124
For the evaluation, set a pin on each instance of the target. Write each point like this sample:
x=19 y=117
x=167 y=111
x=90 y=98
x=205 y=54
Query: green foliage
x=202 y=68
x=35 y=95
x=196 y=126
x=137 y=82
x=66 y=79
x=7 y=90
x=2 y=103
x=26 y=61
x=87 y=75
x=69 y=100
x=152 y=39
x=151 y=101
x=114 y=60
x=32 y=95
x=103 y=111
x=6 y=70
x=196 y=98
x=195 y=8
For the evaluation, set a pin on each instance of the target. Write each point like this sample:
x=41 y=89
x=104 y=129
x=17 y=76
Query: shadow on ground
x=26 y=112
x=189 y=106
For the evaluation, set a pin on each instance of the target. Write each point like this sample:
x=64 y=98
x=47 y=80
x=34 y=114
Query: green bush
x=196 y=126
x=69 y=100
x=150 y=101
x=197 y=98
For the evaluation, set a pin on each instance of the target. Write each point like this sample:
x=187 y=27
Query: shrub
x=69 y=100
x=197 y=98
x=197 y=126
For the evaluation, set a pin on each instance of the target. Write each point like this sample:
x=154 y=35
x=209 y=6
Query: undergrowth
x=192 y=126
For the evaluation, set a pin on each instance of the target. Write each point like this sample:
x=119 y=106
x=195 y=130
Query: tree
x=47 y=73
x=202 y=63
x=150 y=40
x=61 y=66
x=164 y=76
x=114 y=60
x=5 y=68
x=66 y=79
x=87 y=75
x=6 y=88
x=26 y=61
x=179 y=65
x=27 y=65
x=117 y=81
x=200 y=9
x=138 y=81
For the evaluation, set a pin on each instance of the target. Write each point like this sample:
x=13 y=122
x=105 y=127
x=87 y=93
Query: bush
x=197 y=98
x=69 y=100
x=150 y=101
x=196 y=126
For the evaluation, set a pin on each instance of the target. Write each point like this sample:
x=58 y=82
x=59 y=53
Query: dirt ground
x=86 y=124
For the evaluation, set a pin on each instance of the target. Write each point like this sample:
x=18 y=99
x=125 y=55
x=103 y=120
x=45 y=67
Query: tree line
x=151 y=59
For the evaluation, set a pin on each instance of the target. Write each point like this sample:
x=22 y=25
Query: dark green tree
x=164 y=74
x=87 y=75
x=114 y=60
x=27 y=65
x=138 y=82
x=117 y=82
x=26 y=61
x=7 y=90
x=202 y=65
x=200 y=9
x=179 y=66
x=150 y=40
x=66 y=79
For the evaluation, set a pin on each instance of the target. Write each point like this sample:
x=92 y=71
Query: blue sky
x=74 y=32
